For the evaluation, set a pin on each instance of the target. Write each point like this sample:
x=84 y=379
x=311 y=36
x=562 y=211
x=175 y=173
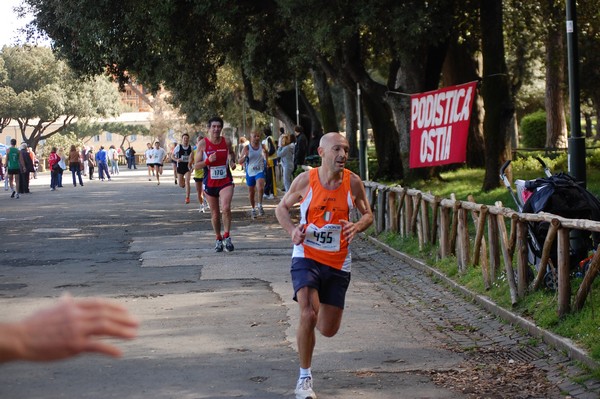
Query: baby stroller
x=558 y=194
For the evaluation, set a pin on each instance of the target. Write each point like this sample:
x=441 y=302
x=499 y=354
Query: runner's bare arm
x=291 y=198
x=191 y=161
x=244 y=155
x=350 y=229
x=200 y=162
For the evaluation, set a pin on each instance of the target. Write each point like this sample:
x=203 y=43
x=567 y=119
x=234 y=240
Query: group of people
x=321 y=261
x=20 y=165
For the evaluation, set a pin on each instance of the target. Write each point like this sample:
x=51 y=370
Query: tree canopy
x=385 y=46
x=44 y=96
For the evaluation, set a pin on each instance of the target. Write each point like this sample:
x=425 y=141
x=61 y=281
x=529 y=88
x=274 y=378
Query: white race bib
x=185 y=158
x=326 y=238
x=218 y=172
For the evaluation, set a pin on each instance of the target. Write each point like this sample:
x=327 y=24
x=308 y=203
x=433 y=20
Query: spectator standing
x=53 y=159
x=270 y=185
x=84 y=157
x=300 y=148
x=27 y=168
x=13 y=168
x=102 y=161
x=34 y=162
x=113 y=157
x=91 y=160
x=130 y=156
x=75 y=165
x=286 y=156
x=62 y=162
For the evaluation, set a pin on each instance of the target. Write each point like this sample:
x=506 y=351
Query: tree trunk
x=347 y=69
x=350 y=112
x=556 y=125
x=328 y=117
x=462 y=66
x=495 y=90
x=588 y=125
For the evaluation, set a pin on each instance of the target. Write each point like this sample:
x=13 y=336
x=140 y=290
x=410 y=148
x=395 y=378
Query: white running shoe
x=261 y=211
x=304 y=389
x=228 y=244
x=253 y=213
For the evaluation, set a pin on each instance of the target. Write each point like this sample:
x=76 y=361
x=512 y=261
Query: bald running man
x=321 y=257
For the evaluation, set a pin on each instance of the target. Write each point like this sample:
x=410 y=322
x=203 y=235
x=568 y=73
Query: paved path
x=223 y=325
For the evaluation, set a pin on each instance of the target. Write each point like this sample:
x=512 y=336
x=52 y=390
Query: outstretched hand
x=74 y=326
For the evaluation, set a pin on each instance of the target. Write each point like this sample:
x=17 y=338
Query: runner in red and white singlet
x=218 y=158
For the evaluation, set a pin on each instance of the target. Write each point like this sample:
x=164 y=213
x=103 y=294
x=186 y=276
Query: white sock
x=305 y=373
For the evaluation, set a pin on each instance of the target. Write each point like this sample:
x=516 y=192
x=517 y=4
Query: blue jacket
x=101 y=156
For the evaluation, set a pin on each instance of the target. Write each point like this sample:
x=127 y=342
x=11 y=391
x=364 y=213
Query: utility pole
x=576 y=140
x=363 y=166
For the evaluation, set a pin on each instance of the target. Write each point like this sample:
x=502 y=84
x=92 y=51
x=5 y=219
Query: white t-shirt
x=148 y=155
x=158 y=155
x=112 y=154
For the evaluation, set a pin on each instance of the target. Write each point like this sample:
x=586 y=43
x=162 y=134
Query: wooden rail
x=446 y=223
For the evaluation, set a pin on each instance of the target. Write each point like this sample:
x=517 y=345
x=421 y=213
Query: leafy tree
x=271 y=43
x=42 y=93
x=382 y=46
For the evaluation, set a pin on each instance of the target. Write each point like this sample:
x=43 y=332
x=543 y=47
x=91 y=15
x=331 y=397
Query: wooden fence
x=446 y=223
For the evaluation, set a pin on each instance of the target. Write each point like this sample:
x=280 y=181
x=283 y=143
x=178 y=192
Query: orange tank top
x=321 y=210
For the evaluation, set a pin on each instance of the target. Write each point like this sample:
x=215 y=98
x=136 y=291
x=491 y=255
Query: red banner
x=439 y=125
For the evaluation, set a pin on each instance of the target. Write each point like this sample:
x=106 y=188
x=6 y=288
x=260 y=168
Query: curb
x=563 y=344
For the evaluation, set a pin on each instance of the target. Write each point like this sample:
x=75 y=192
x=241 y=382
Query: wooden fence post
x=381 y=197
x=480 y=223
x=480 y=250
x=510 y=276
x=522 y=258
x=454 y=226
x=408 y=214
x=463 y=240
x=401 y=212
x=545 y=259
x=416 y=201
x=494 y=250
x=434 y=218
x=564 y=285
x=588 y=279
x=393 y=211
x=445 y=232
x=425 y=221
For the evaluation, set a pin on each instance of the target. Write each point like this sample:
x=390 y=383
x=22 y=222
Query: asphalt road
x=222 y=325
